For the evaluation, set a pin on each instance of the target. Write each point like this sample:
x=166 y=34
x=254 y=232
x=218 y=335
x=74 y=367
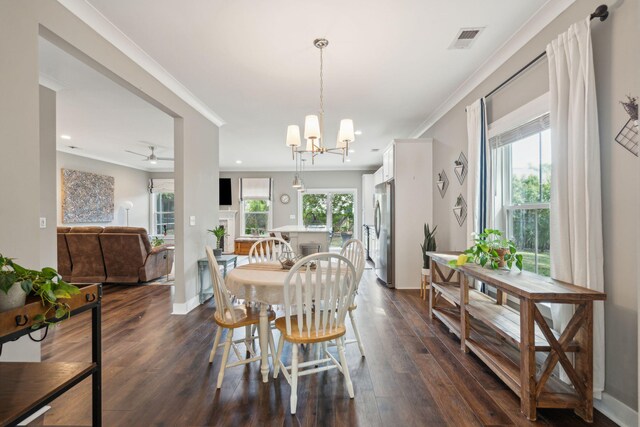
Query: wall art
x=460 y=167
x=460 y=210
x=86 y=197
x=443 y=183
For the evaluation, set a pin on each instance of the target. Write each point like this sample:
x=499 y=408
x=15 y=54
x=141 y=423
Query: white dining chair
x=353 y=250
x=316 y=301
x=230 y=317
x=268 y=249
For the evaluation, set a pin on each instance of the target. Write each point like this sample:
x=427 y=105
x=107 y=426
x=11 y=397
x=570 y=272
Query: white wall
x=413 y=200
x=196 y=138
x=129 y=185
x=617 y=63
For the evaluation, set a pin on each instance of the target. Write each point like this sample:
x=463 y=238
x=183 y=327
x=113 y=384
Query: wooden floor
x=156 y=372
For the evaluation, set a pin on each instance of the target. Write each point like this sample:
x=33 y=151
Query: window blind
x=161 y=186
x=255 y=188
x=533 y=127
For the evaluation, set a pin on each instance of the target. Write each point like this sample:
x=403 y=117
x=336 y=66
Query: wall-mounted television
x=225 y=192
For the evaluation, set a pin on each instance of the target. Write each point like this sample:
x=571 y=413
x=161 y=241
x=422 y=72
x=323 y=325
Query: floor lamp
x=128 y=206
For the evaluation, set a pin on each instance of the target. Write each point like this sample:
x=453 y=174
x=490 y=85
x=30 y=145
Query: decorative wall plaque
x=460 y=167
x=443 y=183
x=460 y=210
x=86 y=197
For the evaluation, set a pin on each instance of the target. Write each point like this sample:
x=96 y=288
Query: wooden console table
x=507 y=340
x=27 y=387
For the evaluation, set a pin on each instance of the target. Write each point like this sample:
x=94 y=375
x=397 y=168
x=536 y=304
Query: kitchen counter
x=299 y=229
x=300 y=235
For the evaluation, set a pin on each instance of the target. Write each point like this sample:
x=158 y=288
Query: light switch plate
x=192 y=220
x=292 y=217
x=43 y=222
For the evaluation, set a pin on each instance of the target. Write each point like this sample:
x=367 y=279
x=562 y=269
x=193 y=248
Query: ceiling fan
x=151 y=158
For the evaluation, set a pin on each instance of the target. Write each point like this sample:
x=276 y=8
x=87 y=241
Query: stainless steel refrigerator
x=383 y=222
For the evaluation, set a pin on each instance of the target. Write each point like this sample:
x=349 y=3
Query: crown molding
x=105 y=28
x=50 y=83
x=543 y=17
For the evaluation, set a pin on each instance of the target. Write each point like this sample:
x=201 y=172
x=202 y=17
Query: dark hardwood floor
x=156 y=372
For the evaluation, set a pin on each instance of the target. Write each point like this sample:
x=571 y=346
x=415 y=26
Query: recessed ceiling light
x=65 y=137
x=352 y=150
x=348 y=160
x=238 y=161
x=358 y=132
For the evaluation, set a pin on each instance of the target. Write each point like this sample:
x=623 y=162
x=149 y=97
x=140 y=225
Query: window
x=522 y=159
x=255 y=205
x=164 y=214
x=333 y=209
x=256 y=216
x=162 y=207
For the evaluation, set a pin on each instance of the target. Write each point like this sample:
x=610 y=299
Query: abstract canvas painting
x=86 y=197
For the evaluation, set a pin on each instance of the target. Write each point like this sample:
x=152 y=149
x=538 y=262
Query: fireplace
x=227 y=219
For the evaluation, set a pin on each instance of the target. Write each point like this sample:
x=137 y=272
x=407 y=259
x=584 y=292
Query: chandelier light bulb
x=346 y=131
x=311 y=127
x=293 y=136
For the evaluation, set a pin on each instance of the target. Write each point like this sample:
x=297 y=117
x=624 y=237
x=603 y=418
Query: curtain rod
x=601 y=12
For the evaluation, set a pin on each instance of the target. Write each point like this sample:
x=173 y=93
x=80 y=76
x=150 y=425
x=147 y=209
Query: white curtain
x=576 y=211
x=255 y=188
x=479 y=183
x=161 y=186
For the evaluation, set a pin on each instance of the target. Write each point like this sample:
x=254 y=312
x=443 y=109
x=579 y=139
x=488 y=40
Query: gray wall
x=616 y=66
x=48 y=135
x=130 y=185
x=282 y=184
x=196 y=138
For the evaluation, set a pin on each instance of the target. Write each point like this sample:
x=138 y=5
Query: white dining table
x=261 y=283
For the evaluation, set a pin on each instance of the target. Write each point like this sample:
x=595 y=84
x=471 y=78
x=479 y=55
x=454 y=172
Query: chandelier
x=314 y=128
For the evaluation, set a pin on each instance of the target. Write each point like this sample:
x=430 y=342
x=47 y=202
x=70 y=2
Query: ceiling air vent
x=465 y=38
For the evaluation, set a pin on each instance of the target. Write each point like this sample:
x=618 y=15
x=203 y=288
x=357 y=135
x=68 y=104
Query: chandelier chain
x=321 y=83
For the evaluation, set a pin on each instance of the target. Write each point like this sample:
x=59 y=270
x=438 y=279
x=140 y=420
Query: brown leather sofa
x=64 y=258
x=110 y=255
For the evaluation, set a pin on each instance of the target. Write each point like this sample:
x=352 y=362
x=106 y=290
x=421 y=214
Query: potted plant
x=16 y=282
x=157 y=241
x=458 y=206
x=219 y=233
x=429 y=245
x=492 y=249
x=440 y=182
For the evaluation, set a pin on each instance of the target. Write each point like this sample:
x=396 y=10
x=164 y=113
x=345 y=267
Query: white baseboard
x=186 y=307
x=34 y=416
x=616 y=411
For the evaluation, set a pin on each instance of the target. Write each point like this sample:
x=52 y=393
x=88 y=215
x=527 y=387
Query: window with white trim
x=255 y=205
x=162 y=207
x=522 y=165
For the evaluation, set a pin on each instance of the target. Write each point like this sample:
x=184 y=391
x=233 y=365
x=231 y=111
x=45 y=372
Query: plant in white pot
x=429 y=245
x=16 y=282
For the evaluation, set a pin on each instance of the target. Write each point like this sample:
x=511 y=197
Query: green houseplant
x=46 y=284
x=429 y=245
x=157 y=241
x=219 y=234
x=493 y=249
